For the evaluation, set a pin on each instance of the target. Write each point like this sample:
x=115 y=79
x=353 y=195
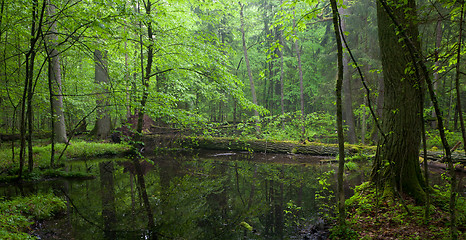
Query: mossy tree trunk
x=338 y=90
x=397 y=161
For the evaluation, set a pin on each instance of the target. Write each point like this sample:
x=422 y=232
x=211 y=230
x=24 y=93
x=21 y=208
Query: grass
x=18 y=214
x=77 y=150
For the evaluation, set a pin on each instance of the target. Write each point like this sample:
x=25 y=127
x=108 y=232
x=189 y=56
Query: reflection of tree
x=141 y=184
x=217 y=205
x=168 y=170
x=274 y=199
x=195 y=199
x=108 y=198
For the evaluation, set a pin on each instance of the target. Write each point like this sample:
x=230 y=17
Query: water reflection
x=204 y=196
x=108 y=198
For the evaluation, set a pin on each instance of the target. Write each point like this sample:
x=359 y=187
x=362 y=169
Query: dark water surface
x=205 y=195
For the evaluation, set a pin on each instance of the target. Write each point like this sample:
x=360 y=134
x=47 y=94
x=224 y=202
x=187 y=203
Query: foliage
x=320 y=127
x=434 y=141
x=17 y=215
x=325 y=195
x=372 y=216
x=343 y=232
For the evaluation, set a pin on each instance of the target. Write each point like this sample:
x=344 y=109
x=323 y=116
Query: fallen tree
x=152 y=141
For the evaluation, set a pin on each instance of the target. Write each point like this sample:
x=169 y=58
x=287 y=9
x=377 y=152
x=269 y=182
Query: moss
x=77 y=149
x=18 y=214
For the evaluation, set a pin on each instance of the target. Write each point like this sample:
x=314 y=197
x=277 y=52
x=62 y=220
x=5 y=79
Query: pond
x=202 y=195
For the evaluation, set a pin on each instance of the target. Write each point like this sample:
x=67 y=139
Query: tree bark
x=380 y=99
x=402 y=104
x=55 y=78
x=103 y=122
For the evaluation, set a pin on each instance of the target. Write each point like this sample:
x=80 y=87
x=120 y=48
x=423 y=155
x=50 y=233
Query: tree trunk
x=246 y=59
x=282 y=84
x=55 y=78
x=341 y=146
x=348 y=114
x=380 y=99
x=364 y=123
x=103 y=122
x=402 y=102
x=146 y=77
x=301 y=85
x=438 y=42
x=127 y=80
x=28 y=91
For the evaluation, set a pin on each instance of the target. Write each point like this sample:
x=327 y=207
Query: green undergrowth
x=370 y=217
x=76 y=150
x=17 y=215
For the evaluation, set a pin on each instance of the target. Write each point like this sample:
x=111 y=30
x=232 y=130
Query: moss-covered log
x=259 y=145
x=262 y=145
x=439 y=156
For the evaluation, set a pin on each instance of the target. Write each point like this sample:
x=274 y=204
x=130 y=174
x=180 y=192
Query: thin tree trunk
x=282 y=84
x=341 y=146
x=426 y=169
x=301 y=84
x=2 y=9
x=363 y=123
x=127 y=81
x=146 y=78
x=246 y=59
x=438 y=43
x=27 y=92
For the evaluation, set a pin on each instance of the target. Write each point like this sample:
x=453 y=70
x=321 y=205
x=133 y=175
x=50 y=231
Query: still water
x=202 y=195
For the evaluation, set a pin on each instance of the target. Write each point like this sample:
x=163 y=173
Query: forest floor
x=386 y=218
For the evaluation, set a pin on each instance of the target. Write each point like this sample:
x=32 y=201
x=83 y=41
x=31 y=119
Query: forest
x=221 y=119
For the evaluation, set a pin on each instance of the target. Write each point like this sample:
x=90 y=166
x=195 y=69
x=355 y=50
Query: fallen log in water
x=259 y=145
x=263 y=145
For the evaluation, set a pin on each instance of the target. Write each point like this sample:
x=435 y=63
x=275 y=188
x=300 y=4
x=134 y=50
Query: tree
x=28 y=91
x=103 y=123
x=347 y=86
x=246 y=59
x=396 y=167
x=301 y=84
x=55 y=79
x=338 y=88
